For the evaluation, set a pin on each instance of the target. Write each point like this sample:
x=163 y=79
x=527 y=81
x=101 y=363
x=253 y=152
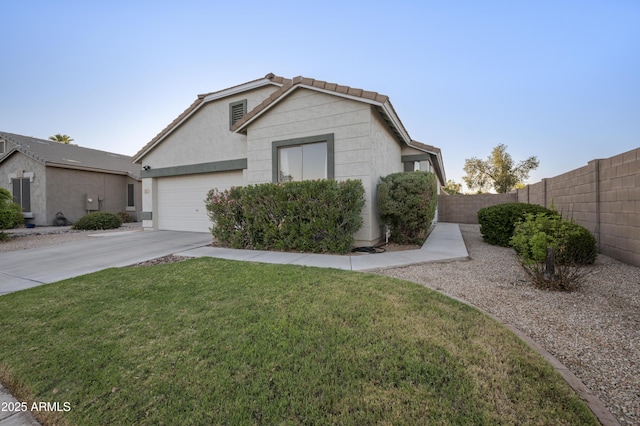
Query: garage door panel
x=181 y=205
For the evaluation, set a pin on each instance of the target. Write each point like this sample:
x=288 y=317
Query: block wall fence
x=603 y=196
x=464 y=208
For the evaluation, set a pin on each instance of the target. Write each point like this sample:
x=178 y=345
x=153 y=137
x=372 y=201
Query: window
x=303 y=159
x=302 y=162
x=237 y=110
x=130 y=196
x=2 y=146
x=22 y=193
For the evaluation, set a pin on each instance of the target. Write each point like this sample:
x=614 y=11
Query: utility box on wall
x=92 y=203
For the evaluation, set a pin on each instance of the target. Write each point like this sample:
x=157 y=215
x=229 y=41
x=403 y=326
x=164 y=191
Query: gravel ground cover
x=595 y=331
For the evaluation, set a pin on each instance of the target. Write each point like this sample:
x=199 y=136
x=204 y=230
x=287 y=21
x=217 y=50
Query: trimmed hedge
x=498 y=222
x=407 y=203
x=10 y=212
x=317 y=216
x=98 y=220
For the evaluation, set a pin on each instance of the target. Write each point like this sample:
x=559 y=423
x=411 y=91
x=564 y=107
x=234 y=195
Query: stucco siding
x=19 y=161
x=67 y=191
x=386 y=154
x=309 y=113
x=205 y=136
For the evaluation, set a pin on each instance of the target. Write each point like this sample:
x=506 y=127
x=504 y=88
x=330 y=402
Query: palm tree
x=61 y=138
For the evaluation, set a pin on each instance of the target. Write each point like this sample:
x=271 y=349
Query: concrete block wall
x=604 y=197
x=619 y=202
x=464 y=208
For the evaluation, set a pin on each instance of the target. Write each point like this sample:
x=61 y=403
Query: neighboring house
x=276 y=129
x=47 y=177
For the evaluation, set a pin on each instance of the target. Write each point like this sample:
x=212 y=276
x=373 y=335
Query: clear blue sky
x=556 y=79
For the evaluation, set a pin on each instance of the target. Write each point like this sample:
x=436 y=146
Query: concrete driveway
x=29 y=268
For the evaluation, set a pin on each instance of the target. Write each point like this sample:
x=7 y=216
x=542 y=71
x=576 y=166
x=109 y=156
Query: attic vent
x=237 y=110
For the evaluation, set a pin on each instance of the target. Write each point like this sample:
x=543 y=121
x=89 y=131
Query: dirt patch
x=162 y=260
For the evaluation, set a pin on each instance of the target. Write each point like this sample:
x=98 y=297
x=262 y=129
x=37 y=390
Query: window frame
x=131 y=197
x=276 y=145
x=20 y=198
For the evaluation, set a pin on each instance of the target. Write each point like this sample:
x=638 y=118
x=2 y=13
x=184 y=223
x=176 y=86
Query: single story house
x=276 y=129
x=47 y=177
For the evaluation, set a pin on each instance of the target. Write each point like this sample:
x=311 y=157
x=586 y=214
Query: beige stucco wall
x=310 y=113
x=205 y=136
x=19 y=161
x=386 y=154
x=55 y=189
x=364 y=148
x=149 y=202
x=67 y=190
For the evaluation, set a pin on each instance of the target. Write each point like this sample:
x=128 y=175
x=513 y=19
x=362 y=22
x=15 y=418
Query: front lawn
x=210 y=341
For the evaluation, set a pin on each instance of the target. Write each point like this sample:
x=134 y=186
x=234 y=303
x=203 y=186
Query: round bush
x=573 y=244
x=407 y=203
x=498 y=222
x=10 y=212
x=581 y=246
x=98 y=220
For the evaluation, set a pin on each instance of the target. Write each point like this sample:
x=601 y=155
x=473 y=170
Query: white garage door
x=181 y=199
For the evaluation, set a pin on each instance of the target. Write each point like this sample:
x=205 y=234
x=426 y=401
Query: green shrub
x=407 y=203
x=553 y=250
x=572 y=244
x=583 y=246
x=125 y=217
x=98 y=220
x=317 y=216
x=498 y=222
x=10 y=212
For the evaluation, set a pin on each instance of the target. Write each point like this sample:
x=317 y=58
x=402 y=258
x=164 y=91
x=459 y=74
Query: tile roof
x=286 y=86
x=272 y=78
x=290 y=84
x=72 y=156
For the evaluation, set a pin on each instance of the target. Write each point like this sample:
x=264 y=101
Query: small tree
x=407 y=203
x=452 y=187
x=498 y=170
x=554 y=250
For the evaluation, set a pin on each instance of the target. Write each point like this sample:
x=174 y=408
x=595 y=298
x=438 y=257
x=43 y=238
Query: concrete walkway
x=444 y=244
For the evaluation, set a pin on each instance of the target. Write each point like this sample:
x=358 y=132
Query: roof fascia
x=88 y=169
x=22 y=150
x=8 y=154
x=208 y=98
x=395 y=120
x=239 y=89
x=388 y=109
x=178 y=124
x=436 y=155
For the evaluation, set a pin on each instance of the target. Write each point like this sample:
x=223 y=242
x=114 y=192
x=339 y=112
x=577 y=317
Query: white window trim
x=29 y=175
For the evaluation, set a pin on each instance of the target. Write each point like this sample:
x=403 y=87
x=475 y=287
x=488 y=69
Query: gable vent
x=237 y=110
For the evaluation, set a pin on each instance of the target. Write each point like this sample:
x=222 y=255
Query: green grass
x=210 y=341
